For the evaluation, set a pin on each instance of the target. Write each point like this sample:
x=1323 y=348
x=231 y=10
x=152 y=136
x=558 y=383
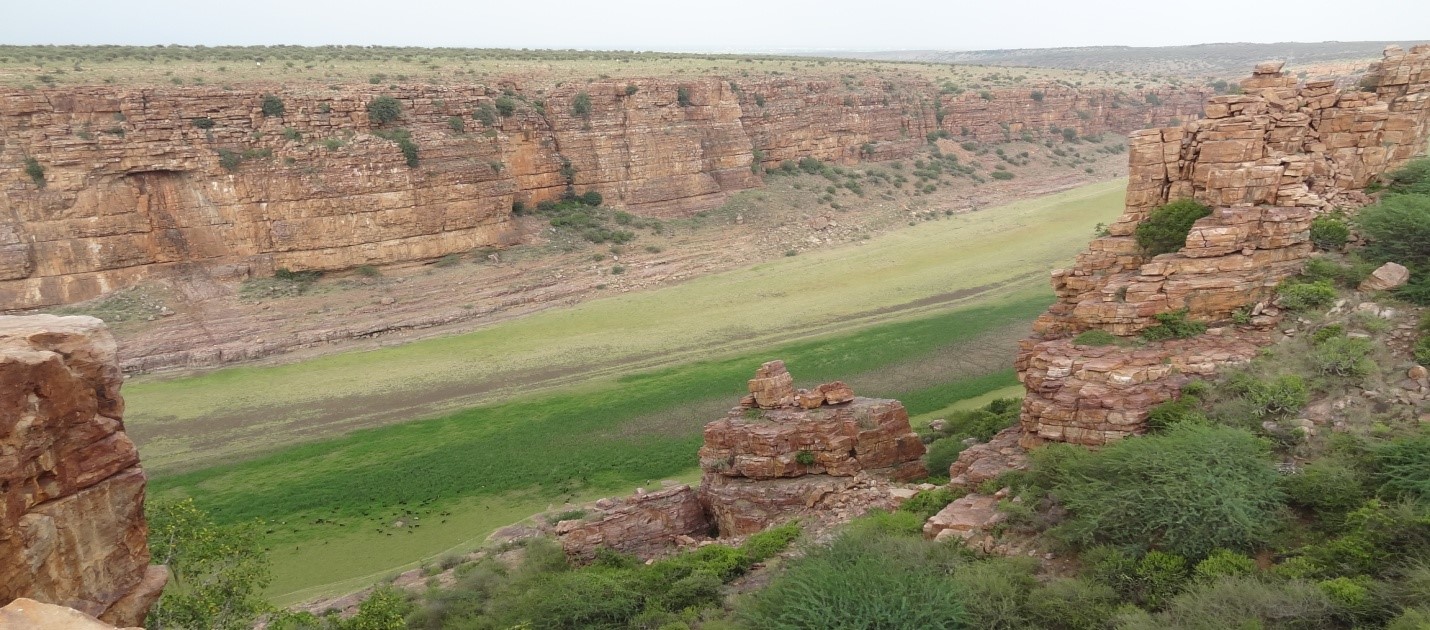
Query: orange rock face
x=72 y=528
x=1267 y=161
x=134 y=183
x=767 y=462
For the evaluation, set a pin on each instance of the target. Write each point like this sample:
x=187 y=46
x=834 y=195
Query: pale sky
x=720 y=26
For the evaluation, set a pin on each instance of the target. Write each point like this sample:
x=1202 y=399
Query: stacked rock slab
x=1267 y=162
x=644 y=524
x=72 y=528
x=784 y=451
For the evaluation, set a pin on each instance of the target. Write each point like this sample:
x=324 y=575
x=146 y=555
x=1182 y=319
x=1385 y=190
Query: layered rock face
x=644 y=524
x=104 y=187
x=72 y=528
x=785 y=451
x=1267 y=161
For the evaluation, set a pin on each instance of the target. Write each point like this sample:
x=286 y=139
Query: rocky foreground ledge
x=72 y=528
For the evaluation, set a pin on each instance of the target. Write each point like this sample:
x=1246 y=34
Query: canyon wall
x=72 y=528
x=106 y=186
x=1267 y=162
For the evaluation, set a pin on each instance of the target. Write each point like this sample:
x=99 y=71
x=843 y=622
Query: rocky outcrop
x=104 y=187
x=982 y=462
x=29 y=614
x=785 y=451
x=1267 y=161
x=644 y=524
x=72 y=528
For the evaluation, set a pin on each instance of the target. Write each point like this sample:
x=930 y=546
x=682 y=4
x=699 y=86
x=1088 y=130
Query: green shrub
x=581 y=104
x=35 y=171
x=229 y=159
x=631 y=89
x=1343 y=356
x=1325 y=269
x=928 y=502
x=995 y=592
x=1096 y=337
x=404 y=141
x=804 y=458
x=1328 y=488
x=1412 y=178
x=204 y=122
x=1376 y=539
x=456 y=124
x=764 y=545
x=1350 y=598
x=941 y=454
x=1070 y=134
x=1003 y=175
x=272 y=106
x=1306 y=295
x=1398 y=230
x=1037 y=96
x=1223 y=564
x=1173 y=325
x=1329 y=232
x=506 y=106
x=1422 y=351
x=592 y=198
x=369 y=271
x=1403 y=467
x=1148 y=581
x=1274 y=398
x=384 y=109
x=1188 y=491
x=1166 y=228
x=1186 y=409
x=682 y=96
x=1072 y=604
x=848 y=585
x=485 y=114
x=1411 y=619
x=1327 y=333
x=1246 y=602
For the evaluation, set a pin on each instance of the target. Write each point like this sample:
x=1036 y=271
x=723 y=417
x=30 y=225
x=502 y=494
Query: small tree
x=1037 y=96
x=35 y=171
x=204 y=122
x=581 y=105
x=384 y=109
x=631 y=89
x=272 y=105
x=682 y=96
x=506 y=106
x=218 y=572
x=485 y=114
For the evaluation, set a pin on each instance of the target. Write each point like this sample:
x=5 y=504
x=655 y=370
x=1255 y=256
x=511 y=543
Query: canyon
x=106 y=187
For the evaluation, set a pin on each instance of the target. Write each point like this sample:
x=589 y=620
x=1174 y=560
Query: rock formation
x=72 y=528
x=29 y=614
x=104 y=187
x=784 y=451
x=1267 y=162
x=645 y=524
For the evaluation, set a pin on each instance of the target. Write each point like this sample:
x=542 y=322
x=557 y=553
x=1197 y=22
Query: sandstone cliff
x=72 y=529
x=106 y=186
x=1267 y=161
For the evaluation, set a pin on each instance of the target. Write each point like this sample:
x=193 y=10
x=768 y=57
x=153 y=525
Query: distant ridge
x=1225 y=59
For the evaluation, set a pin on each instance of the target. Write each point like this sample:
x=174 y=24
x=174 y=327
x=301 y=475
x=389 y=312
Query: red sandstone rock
x=72 y=529
x=28 y=614
x=644 y=525
x=796 y=454
x=1386 y=277
x=964 y=518
x=981 y=462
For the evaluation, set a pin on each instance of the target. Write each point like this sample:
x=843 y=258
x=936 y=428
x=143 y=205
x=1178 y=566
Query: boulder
x=28 y=614
x=1386 y=277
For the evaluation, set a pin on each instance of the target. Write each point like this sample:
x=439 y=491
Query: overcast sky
x=719 y=25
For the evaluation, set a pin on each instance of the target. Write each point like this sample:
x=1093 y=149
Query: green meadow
x=571 y=404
